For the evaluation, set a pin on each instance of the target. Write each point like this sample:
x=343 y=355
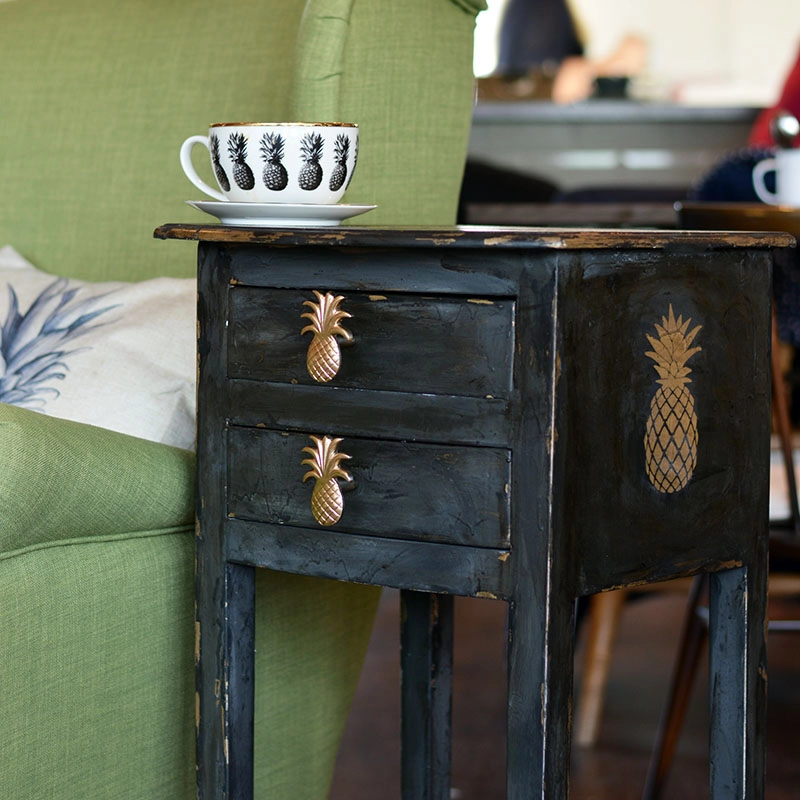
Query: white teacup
x=786 y=166
x=276 y=162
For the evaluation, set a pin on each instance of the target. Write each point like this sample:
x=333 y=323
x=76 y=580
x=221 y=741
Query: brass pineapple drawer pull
x=327 y=503
x=324 y=356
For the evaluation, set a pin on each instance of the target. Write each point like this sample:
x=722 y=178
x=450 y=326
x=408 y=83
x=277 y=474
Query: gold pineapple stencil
x=324 y=356
x=327 y=504
x=670 y=440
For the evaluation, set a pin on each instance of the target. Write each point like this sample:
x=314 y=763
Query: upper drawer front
x=435 y=493
x=400 y=342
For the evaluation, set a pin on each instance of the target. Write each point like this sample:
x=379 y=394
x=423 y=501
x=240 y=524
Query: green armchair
x=96 y=525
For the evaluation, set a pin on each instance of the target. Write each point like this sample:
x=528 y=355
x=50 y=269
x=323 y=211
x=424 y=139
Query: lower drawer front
x=456 y=495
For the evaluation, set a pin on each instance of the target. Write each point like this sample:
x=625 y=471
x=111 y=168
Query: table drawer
x=428 y=492
x=394 y=342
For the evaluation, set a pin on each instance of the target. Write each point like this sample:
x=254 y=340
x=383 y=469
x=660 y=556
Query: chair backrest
x=401 y=69
x=97 y=97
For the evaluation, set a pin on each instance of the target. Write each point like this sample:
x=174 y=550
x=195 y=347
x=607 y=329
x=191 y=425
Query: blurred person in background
x=546 y=37
x=537 y=35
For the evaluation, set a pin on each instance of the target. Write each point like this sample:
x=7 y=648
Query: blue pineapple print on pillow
x=34 y=344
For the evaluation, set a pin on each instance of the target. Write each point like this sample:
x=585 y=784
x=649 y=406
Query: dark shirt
x=536 y=32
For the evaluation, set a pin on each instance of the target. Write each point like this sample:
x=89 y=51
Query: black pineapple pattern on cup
x=341 y=149
x=222 y=177
x=275 y=175
x=310 y=175
x=242 y=174
x=355 y=159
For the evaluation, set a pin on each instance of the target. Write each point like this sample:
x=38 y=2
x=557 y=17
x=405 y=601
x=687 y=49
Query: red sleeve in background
x=789 y=101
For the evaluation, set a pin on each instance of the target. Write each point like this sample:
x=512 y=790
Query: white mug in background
x=280 y=162
x=786 y=166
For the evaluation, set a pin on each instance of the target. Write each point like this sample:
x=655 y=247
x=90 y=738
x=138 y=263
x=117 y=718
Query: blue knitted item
x=731 y=179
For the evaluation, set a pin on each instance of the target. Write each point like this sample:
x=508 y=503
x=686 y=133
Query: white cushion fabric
x=116 y=355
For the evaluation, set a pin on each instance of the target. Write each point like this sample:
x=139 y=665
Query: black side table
x=517 y=414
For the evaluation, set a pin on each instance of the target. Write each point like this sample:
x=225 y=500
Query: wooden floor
x=614 y=769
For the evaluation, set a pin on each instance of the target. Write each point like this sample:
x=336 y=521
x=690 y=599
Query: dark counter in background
x=602 y=143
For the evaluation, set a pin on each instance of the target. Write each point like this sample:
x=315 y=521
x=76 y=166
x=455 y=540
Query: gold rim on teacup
x=284 y=124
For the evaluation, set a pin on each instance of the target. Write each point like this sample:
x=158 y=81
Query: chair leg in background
x=604 y=614
x=695 y=633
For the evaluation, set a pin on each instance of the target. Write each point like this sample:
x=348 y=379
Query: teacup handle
x=191 y=172
x=759 y=171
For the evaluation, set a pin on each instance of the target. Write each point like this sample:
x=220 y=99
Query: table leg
x=737 y=653
x=240 y=647
x=427 y=671
x=540 y=668
x=225 y=684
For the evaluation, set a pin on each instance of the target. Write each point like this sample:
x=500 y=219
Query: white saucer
x=297 y=215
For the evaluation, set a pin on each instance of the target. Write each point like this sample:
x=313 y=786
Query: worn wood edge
x=476 y=421
x=383 y=561
x=659 y=576
x=475 y=236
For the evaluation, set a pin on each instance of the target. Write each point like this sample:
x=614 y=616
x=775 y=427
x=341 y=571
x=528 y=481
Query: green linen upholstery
x=39 y=508
x=97 y=627
x=94 y=598
x=411 y=93
x=96 y=100
x=96 y=533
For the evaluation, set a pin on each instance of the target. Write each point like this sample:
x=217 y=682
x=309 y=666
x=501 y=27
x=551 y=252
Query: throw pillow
x=116 y=355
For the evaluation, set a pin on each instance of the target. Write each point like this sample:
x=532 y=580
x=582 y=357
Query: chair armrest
x=63 y=480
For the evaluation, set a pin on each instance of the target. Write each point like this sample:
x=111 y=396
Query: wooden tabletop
x=469 y=236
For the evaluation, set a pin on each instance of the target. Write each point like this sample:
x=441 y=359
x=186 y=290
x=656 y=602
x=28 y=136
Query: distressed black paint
x=537 y=389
